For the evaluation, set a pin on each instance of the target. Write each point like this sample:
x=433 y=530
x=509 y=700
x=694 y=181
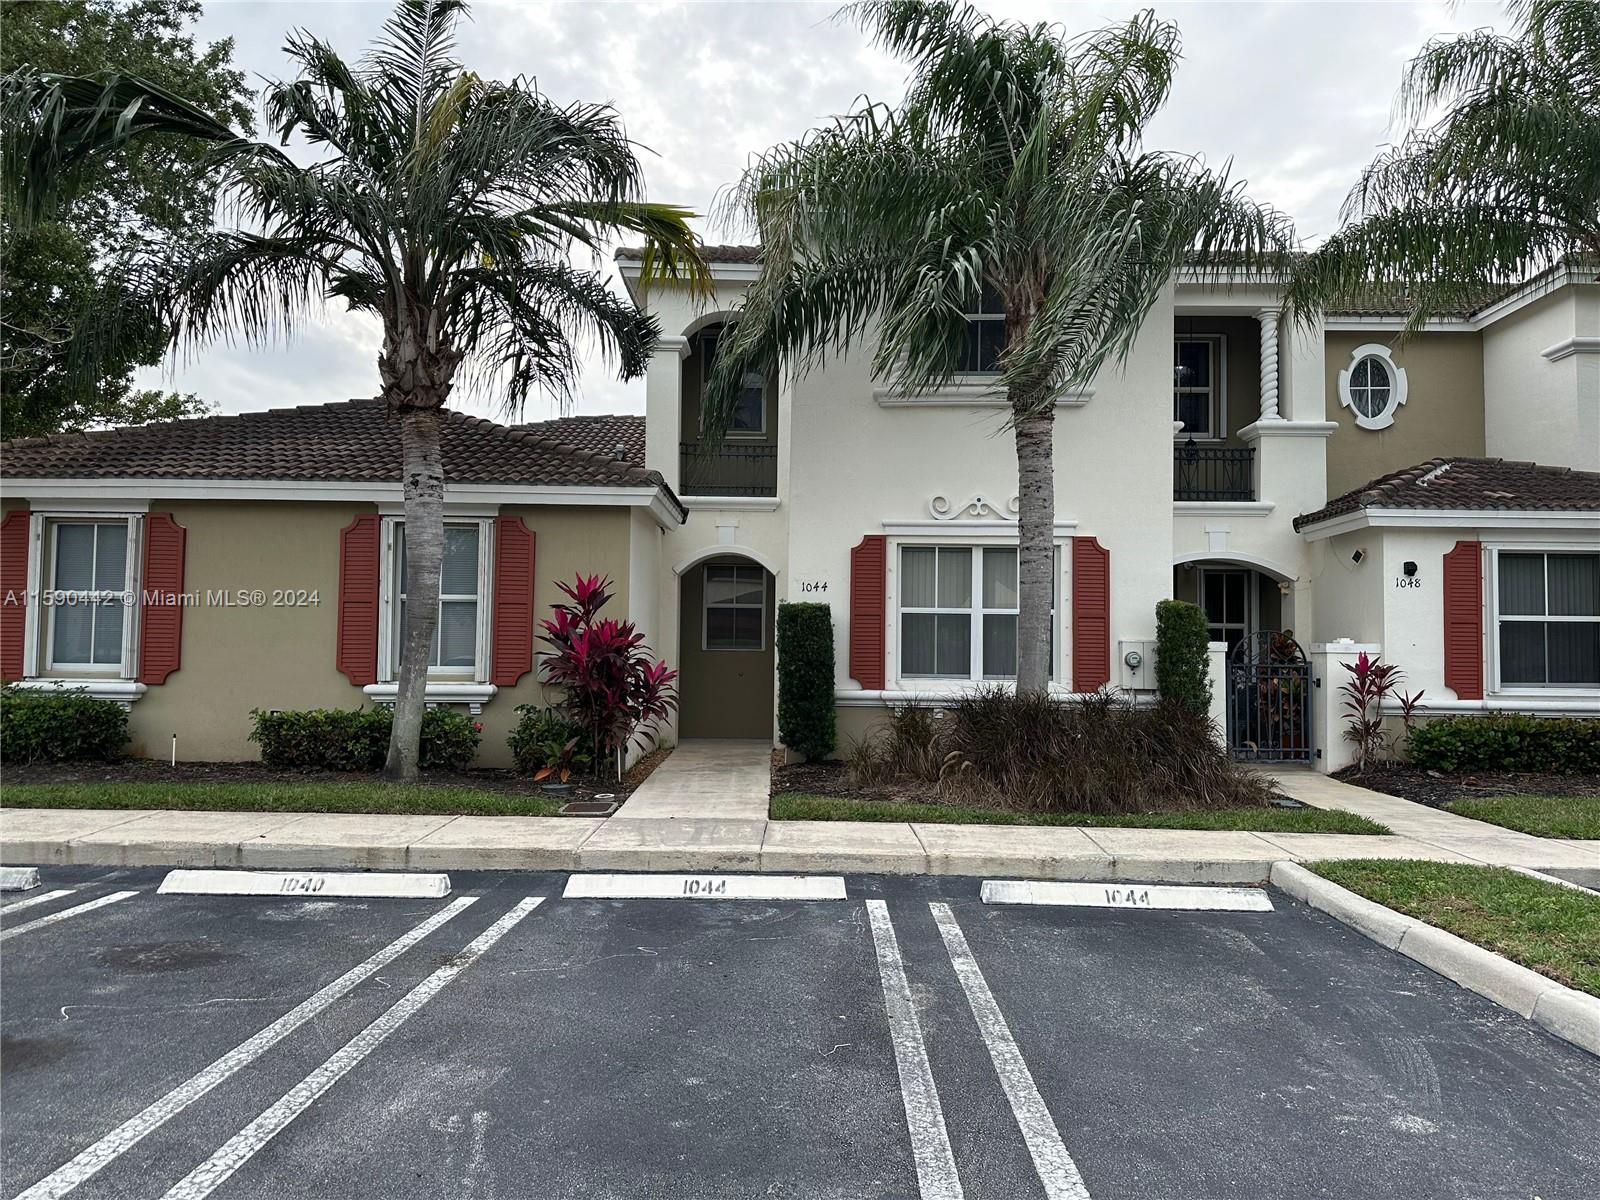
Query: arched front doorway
x=1239 y=600
x=725 y=652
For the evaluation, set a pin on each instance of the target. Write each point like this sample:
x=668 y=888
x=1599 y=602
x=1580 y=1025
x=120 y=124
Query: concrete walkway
x=705 y=809
x=1476 y=841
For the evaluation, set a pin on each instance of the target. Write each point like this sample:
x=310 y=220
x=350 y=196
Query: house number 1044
x=813 y=585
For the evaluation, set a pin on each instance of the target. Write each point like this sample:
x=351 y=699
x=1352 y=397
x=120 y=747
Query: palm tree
x=446 y=205
x=1505 y=182
x=1013 y=167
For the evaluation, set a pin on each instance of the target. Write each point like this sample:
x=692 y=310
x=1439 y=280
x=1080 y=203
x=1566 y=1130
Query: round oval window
x=1370 y=387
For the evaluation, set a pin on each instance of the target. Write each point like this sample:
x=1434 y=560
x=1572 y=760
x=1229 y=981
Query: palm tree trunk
x=423 y=478
x=1036 y=525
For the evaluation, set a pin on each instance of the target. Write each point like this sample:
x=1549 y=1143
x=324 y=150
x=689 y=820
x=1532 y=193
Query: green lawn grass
x=800 y=806
x=421 y=800
x=1544 y=816
x=1545 y=927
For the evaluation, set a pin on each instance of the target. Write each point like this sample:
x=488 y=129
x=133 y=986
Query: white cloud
x=1297 y=95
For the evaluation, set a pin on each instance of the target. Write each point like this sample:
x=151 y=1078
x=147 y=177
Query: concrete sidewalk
x=1477 y=841
x=297 y=840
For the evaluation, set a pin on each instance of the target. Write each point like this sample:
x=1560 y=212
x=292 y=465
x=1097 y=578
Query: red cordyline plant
x=614 y=688
x=1373 y=681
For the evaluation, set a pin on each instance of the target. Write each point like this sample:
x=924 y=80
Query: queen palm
x=1014 y=167
x=1497 y=176
x=446 y=205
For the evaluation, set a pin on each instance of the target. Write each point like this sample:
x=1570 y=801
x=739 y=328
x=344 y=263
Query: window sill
x=122 y=691
x=730 y=503
x=941 y=692
x=1575 y=702
x=473 y=695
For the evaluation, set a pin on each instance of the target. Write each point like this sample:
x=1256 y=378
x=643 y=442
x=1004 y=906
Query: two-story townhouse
x=1316 y=490
x=1340 y=484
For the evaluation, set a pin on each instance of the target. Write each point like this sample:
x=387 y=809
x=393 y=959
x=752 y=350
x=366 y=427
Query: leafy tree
x=1497 y=176
x=1013 y=166
x=73 y=335
x=446 y=205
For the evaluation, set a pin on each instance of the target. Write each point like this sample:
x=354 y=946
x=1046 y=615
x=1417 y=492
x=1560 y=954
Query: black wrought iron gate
x=1269 y=699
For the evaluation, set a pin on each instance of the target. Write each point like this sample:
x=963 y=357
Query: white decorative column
x=663 y=408
x=1217 y=677
x=1269 y=364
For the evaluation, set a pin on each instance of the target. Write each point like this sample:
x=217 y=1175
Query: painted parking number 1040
x=705 y=887
x=1128 y=897
x=301 y=885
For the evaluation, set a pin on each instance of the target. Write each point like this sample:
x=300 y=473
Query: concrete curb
x=1570 y=1015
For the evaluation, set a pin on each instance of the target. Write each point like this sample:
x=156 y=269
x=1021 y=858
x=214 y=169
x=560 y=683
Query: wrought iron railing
x=1213 y=472
x=731 y=469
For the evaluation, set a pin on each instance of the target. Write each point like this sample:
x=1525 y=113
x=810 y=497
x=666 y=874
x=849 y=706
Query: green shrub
x=449 y=740
x=357 y=739
x=805 y=679
x=59 y=725
x=1507 y=742
x=1095 y=755
x=1183 y=659
x=547 y=742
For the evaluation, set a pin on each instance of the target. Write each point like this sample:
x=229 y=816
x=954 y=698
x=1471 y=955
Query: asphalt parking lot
x=908 y=1041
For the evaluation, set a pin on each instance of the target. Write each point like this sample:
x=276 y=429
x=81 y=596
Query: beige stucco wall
x=237 y=658
x=1442 y=416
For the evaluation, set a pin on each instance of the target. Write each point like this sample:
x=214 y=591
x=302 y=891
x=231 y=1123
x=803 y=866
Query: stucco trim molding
x=473 y=695
x=1575 y=703
x=731 y=503
x=1222 y=508
x=123 y=691
x=965 y=394
x=965 y=530
x=1282 y=428
x=1571 y=346
x=731 y=550
x=901 y=697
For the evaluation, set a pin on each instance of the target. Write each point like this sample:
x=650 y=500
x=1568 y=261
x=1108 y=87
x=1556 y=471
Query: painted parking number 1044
x=705 y=887
x=1128 y=897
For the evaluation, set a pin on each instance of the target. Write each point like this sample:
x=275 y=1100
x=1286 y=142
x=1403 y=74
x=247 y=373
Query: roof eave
x=1377 y=517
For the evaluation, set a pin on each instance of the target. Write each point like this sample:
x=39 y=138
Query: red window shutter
x=1463 y=620
x=511 y=653
x=867 y=582
x=1091 y=615
x=161 y=599
x=13 y=593
x=357 y=651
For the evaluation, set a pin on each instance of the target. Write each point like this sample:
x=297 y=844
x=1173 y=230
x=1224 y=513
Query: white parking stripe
x=124 y=1137
x=240 y=1148
x=930 y=1141
x=32 y=900
x=52 y=918
x=1057 y=1171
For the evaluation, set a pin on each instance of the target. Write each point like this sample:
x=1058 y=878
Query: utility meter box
x=1136 y=664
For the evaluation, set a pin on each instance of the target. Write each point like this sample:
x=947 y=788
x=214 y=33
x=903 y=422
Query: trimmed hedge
x=1183 y=659
x=357 y=739
x=1507 y=742
x=805 y=679
x=60 y=725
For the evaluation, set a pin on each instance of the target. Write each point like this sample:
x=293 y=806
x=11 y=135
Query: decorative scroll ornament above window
x=978 y=508
x=1373 y=386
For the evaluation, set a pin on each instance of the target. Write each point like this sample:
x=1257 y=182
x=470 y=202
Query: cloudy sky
x=1298 y=95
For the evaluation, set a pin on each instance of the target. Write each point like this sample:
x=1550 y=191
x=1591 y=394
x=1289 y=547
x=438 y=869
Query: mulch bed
x=1436 y=789
x=828 y=779
x=144 y=770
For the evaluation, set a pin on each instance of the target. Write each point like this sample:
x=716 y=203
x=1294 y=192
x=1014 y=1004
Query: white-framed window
x=1373 y=386
x=1198 y=385
x=1228 y=597
x=88 y=610
x=460 y=649
x=985 y=335
x=958 y=612
x=734 y=607
x=750 y=409
x=1547 y=618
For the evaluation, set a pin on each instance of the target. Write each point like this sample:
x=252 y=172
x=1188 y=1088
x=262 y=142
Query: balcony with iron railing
x=731 y=469
x=1213 y=473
